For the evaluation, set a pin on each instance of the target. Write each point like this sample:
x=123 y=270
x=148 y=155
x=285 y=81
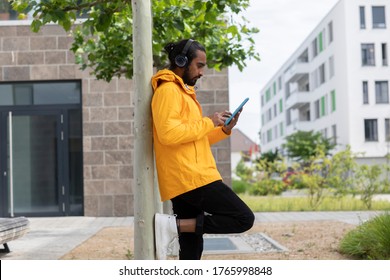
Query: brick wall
x=108 y=137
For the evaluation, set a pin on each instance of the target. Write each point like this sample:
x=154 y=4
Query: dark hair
x=175 y=49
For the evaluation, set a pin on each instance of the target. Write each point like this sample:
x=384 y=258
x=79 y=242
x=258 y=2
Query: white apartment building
x=336 y=82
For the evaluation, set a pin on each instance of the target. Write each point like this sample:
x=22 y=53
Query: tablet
x=236 y=111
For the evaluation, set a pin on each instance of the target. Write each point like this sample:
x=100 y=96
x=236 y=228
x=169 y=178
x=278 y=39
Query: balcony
x=298 y=99
x=299 y=125
x=296 y=71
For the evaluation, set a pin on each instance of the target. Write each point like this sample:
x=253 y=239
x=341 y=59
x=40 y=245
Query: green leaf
x=103 y=42
x=36 y=25
x=178 y=24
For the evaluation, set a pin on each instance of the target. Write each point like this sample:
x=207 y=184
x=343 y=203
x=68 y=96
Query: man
x=187 y=172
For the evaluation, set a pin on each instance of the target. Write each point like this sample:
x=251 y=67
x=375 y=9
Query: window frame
x=331 y=67
x=376 y=24
x=371 y=130
x=366 y=98
x=368 y=59
x=384 y=54
x=381 y=92
x=317 y=109
x=333 y=100
x=387 y=130
x=330 y=32
x=334 y=133
x=362 y=17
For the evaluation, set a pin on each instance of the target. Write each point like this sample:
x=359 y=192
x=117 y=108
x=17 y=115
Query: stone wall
x=108 y=138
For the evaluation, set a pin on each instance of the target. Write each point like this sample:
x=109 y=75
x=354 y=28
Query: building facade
x=67 y=139
x=336 y=82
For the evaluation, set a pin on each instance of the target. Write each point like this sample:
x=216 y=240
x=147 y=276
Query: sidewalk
x=51 y=238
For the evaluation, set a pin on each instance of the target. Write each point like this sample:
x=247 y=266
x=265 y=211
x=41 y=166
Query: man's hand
x=219 y=118
x=228 y=128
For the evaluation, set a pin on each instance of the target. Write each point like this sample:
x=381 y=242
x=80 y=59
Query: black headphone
x=181 y=60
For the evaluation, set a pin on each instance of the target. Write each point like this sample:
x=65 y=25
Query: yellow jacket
x=182 y=137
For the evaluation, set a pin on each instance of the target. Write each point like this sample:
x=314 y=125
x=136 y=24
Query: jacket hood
x=166 y=75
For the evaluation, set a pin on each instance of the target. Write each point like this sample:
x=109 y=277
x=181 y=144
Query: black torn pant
x=217 y=209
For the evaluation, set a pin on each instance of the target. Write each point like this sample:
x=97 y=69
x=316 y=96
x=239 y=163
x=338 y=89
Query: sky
x=284 y=25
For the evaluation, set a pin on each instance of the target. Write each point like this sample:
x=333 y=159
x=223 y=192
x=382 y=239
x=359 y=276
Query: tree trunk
x=144 y=192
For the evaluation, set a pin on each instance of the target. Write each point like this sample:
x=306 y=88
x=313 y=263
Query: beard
x=187 y=79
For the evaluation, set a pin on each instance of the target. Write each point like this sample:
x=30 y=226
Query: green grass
x=282 y=204
x=370 y=240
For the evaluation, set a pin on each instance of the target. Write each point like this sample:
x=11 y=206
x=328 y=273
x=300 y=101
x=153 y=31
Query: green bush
x=370 y=240
x=239 y=186
x=385 y=186
x=267 y=186
x=296 y=182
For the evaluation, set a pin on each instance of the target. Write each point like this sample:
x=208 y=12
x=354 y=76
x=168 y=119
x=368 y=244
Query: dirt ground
x=304 y=241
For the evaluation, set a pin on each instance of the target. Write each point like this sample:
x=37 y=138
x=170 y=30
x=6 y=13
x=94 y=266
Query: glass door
x=41 y=164
x=33 y=160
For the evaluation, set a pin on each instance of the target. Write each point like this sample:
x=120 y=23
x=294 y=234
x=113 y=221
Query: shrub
x=267 y=186
x=370 y=240
x=296 y=182
x=239 y=186
x=368 y=182
x=244 y=172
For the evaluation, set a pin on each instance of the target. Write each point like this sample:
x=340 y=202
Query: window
x=276 y=132
x=269 y=135
x=362 y=18
x=280 y=83
x=334 y=134
x=287 y=90
x=331 y=67
x=382 y=92
x=280 y=105
x=322 y=73
x=275 y=110
x=320 y=42
x=333 y=96
x=268 y=95
x=368 y=54
x=40 y=93
x=323 y=106
x=274 y=87
x=288 y=117
x=314 y=47
x=378 y=17
x=384 y=54
x=269 y=114
x=330 y=31
x=387 y=130
x=281 y=129
x=371 y=129
x=365 y=92
x=317 y=109
x=318 y=76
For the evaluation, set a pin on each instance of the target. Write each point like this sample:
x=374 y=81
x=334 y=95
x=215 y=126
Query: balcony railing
x=297 y=99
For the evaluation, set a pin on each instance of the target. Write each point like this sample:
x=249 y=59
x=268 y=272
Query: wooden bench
x=11 y=229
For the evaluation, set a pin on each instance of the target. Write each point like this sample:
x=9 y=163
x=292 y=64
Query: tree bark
x=144 y=192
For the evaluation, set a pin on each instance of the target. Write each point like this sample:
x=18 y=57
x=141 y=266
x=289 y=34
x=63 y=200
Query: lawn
x=301 y=203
